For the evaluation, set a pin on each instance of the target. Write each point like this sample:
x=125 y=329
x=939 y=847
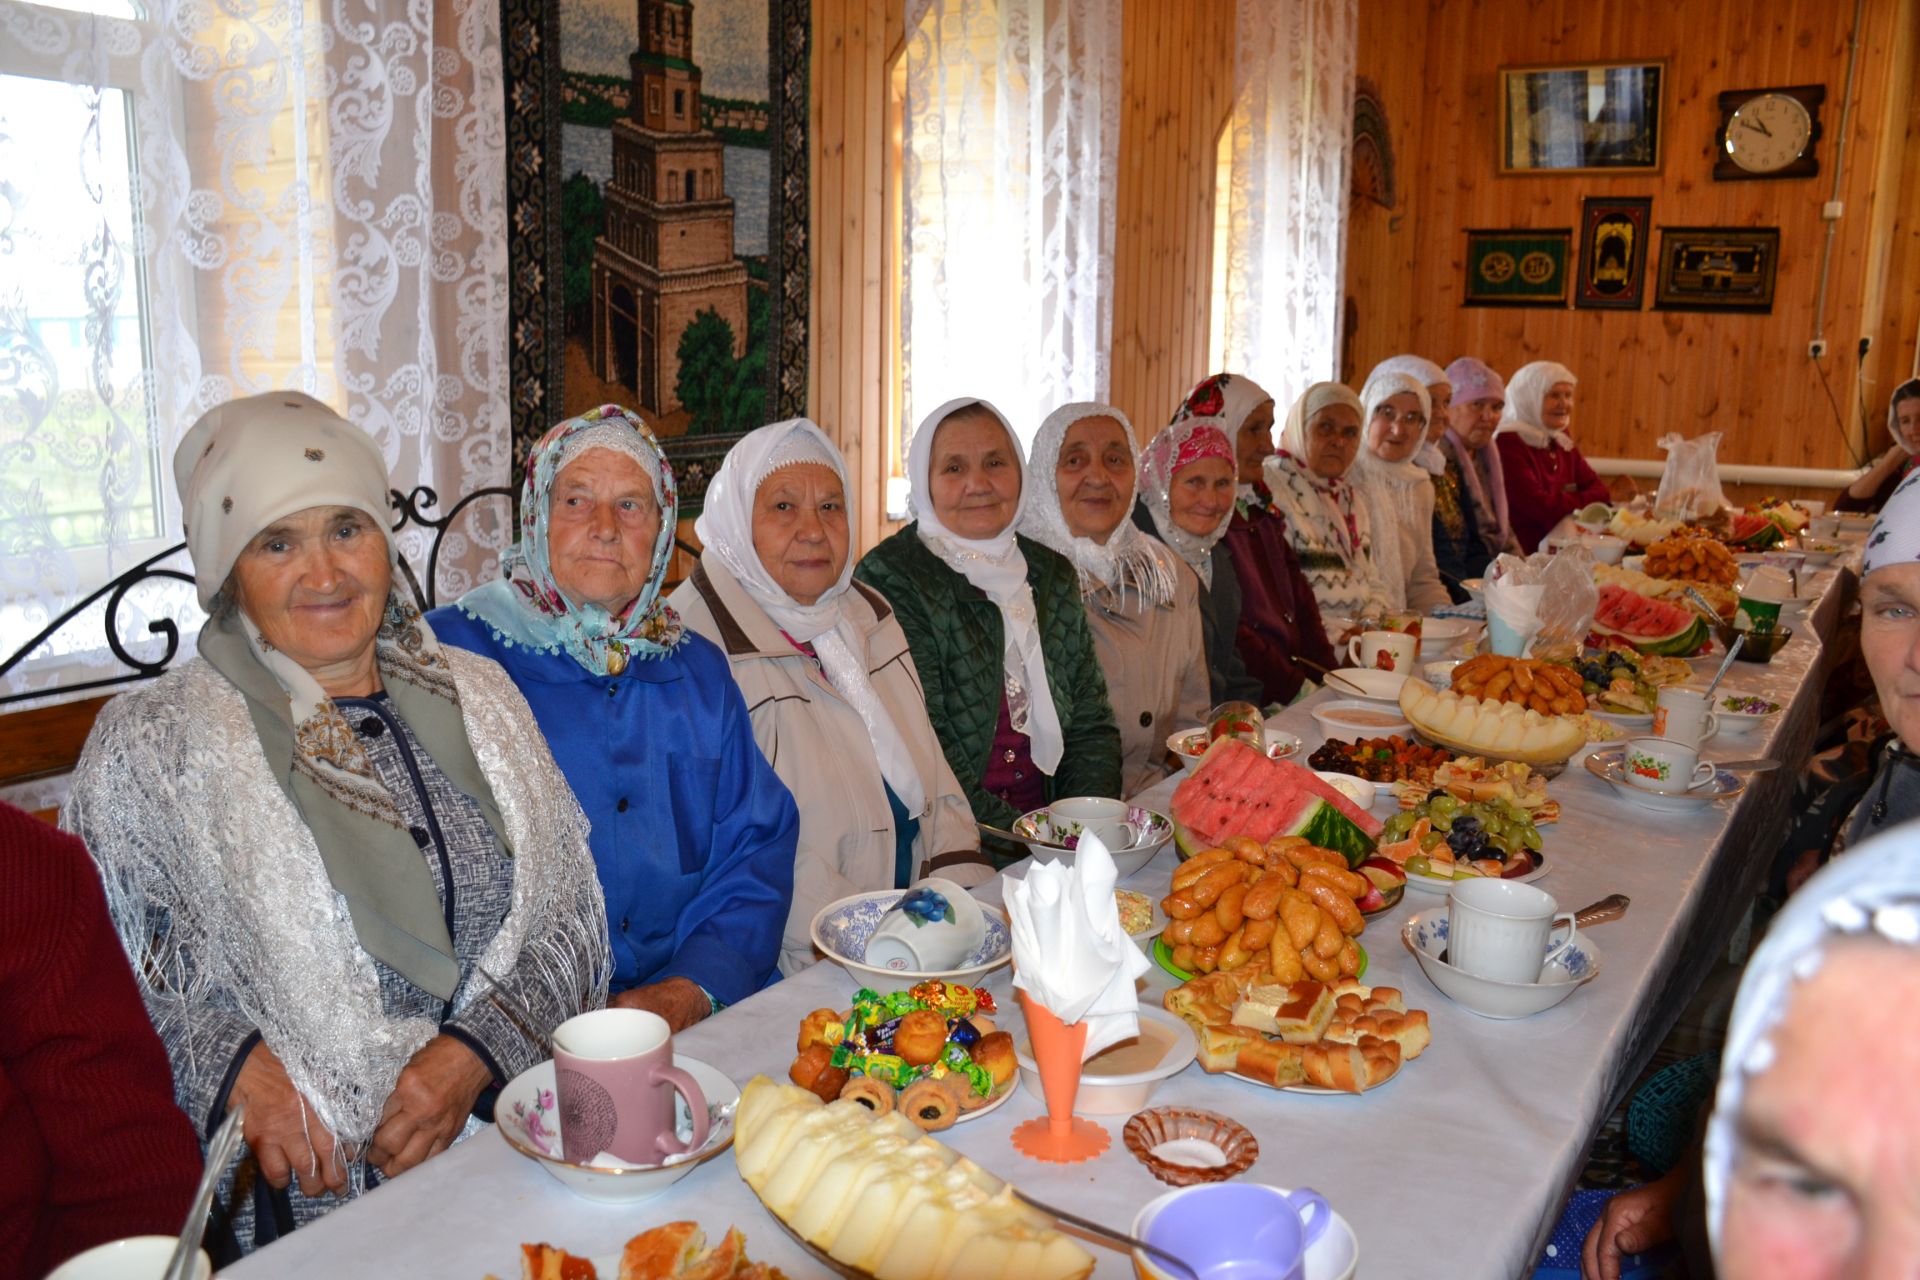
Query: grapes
x=1466 y=822
x=1420 y=865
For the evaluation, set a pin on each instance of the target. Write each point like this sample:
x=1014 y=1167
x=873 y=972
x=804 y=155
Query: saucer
x=1605 y=764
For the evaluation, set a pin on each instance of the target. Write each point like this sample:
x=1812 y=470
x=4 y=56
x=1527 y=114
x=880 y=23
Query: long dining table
x=1457 y=1167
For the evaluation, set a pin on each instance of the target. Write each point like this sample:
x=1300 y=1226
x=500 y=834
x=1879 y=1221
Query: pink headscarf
x=1474 y=380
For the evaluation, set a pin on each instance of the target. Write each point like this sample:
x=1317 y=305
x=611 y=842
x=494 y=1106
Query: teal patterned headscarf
x=526 y=606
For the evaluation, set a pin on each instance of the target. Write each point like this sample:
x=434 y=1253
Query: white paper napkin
x=1516 y=607
x=1069 y=951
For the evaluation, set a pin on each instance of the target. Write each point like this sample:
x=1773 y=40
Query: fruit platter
x=1496 y=730
x=1724 y=599
x=1470 y=778
x=1445 y=838
x=1237 y=791
x=1390 y=759
x=1620 y=681
x=1641 y=530
x=1657 y=627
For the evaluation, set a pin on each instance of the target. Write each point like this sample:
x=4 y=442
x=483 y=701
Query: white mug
x=1664 y=764
x=1682 y=716
x=1499 y=929
x=134 y=1258
x=1077 y=816
x=1402 y=650
x=934 y=926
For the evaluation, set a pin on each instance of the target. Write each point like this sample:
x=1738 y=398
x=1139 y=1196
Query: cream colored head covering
x=1128 y=560
x=251 y=461
x=1526 y=392
x=998 y=568
x=725 y=528
x=1427 y=374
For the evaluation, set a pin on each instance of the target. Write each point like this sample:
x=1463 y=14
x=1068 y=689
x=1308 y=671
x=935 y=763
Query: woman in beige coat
x=827 y=676
x=1143 y=604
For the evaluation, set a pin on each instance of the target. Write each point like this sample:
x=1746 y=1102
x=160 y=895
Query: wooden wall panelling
x=1649 y=372
x=1176 y=88
x=1893 y=274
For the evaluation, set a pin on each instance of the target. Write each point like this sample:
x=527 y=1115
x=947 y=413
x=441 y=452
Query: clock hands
x=1754 y=124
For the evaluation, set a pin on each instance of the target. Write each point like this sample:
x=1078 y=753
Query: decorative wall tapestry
x=1613 y=252
x=1517 y=268
x=1373 y=169
x=1717 y=268
x=657 y=207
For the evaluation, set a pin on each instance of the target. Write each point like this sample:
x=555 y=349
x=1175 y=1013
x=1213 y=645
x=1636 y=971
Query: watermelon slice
x=1651 y=626
x=1238 y=791
x=1753 y=532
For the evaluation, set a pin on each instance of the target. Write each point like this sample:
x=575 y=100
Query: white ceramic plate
x=1625 y=719
x=528 y=1118
x=1606 y=765
x=1370 y=686
x=1336 y=719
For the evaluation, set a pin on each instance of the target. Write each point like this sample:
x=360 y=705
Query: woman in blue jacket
x=693 y=833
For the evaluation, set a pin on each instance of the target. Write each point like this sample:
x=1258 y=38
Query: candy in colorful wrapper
x=963 y=1033
x=978 y=1076
x=900 y=1003
x=896 y=1071
x=866 y=1008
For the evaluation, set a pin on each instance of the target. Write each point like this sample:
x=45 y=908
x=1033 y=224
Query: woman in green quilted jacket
x=996 y=625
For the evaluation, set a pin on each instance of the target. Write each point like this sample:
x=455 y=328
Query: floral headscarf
x=526 y=606
x=1128 y=560
x=1231 y=398
x=1179 y=445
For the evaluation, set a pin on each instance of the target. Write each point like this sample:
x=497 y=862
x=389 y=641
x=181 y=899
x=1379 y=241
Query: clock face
x=1768 y=132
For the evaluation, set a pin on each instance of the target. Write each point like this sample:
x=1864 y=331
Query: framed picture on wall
x=1597 y=117
x=1613 y=252
x=1717 y=269
x=1517 y=268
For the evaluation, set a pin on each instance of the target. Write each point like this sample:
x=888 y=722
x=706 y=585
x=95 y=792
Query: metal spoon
x=1611 y=907
x=1733 y=651
x=226 y=1140
x=1747 y=766
x=1118 y=1237
x=1334 y=677
x=1007 y=835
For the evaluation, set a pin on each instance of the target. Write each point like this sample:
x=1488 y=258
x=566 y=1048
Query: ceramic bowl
x=1359 y=790
x=1607 y=549
x=1425 y=934
x=1351 y=718
x=1123 y=1094
x=1736 y=721
x=1334 y=1256
x=527 y=1116
x=1372 y=686
x=134 y=1258
x=1476 y=588
x=1758 y=648
x=1440 y=674
x=1189 y=745
x=1440 y=637
x=841 y=929
x=1154 y=829
x=1184 y=1146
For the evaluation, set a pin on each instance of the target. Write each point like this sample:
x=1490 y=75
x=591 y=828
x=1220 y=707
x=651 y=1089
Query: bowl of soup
x=1346 y=717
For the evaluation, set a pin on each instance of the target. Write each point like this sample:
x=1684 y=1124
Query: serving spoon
x=226 y=1141
x=1118 y=1237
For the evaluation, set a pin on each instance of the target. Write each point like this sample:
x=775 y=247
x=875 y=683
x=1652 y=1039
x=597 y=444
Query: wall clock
x=1769 y=133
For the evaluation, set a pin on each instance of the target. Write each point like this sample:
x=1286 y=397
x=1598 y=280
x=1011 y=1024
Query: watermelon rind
x=1675 y=644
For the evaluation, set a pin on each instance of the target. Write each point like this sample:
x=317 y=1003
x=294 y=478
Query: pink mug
x=615 y=1081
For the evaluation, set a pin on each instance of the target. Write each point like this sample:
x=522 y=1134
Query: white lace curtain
x=199 y=202
x=1292 y=136
x=1011 y=149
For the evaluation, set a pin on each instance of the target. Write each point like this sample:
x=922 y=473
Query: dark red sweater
x=92 y=1144
x=1544 y=486
x=1279 y=617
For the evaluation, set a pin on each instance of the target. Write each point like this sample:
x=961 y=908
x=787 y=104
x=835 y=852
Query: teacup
x=1077 y=816
x=1664 y=764
x=1681 y=715
x=1499 y=929
x=615 y=1081
x=935 y=925
x=1400 y=651
x=1235 y=1229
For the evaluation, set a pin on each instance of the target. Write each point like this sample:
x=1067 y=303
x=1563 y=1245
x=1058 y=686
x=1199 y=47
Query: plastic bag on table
x=1564 y=609
x=1690 y=483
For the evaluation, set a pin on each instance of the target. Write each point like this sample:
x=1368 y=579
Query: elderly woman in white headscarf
x=1398 y=493
x=1871 y=489
x=328 y=839
x=995 y=621
x=827 y=677
x=1326 y=523
x=1546 y=478
x=1812 y=1164
x=1143 y=603
x=1439 y=385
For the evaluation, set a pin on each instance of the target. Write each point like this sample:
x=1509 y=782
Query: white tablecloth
x=1455 y=1168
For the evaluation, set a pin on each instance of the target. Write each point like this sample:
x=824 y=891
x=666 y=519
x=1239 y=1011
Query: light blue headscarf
x=526 y=607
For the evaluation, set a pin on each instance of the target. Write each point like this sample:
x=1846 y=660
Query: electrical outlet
x=1817 y=349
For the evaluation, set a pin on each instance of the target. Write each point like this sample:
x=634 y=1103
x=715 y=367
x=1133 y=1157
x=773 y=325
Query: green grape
x=1420 y=865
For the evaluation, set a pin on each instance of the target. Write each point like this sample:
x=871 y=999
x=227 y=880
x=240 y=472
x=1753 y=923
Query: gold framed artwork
x=1717 y=269
x=1613 y=252
x=1595 y=117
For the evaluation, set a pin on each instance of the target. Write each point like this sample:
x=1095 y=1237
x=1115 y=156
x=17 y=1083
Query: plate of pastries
x=674 y=1251
x=1301 y=1037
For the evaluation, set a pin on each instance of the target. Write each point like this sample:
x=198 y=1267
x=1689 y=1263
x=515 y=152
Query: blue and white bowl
x=841 y=929
x=1048 y=844
x=1425 y=934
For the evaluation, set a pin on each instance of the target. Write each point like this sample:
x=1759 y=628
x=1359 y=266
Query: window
x=691 y=179
x=679 y=104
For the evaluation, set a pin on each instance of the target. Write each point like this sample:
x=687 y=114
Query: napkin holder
x=1060 y=1137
